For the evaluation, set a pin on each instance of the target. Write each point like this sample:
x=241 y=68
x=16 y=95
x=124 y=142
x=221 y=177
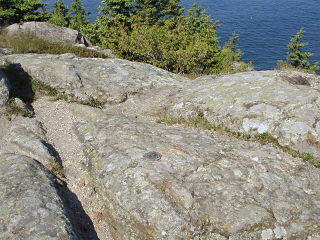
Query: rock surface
x=25 y=139
x=4 y=90
x=167 y=182
x=105 y=80
x=135 y=179
x=30 y=206
x=49 y=32
x=284 y=104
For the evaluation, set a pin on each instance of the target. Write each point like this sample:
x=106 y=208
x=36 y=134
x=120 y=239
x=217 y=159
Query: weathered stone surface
x=5 y=51
x=49 y=32
x=106 y=80
x=4 y=90
x=25 y=136
x=30 y=206
x=34 y=146
x=140 y=180
x=284 y=104
x=159 y=182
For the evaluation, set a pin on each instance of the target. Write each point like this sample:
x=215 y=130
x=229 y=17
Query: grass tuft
x=43 y=88
x=13 y=109
x=24 y=43
x=92 y=102
x=57 y=169
x=199 y=121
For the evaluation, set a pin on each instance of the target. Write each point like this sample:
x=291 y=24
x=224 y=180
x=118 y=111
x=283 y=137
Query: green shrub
x=156 y=32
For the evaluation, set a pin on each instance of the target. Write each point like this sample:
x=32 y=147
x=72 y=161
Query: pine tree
x=296 y=58
x=79 y=16
x=17 y=11
x=60 y=14
x=151 y=11
x=116 y=11
x=198 y=20
x=231 y=45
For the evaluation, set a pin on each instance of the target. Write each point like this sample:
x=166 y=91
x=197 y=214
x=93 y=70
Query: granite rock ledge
x=121 y=175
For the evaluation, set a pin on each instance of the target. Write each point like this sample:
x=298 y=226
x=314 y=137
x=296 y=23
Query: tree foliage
x=296 y=58
x=60 y=15
x=79 y=15
x=117 y=11
x=17 y=11
x=158 y=33
x=151 y=11
x=151 y=31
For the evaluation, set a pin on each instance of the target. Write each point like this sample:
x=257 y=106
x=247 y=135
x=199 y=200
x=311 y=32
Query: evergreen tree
x=116 y=11
x=230 y=47
x=79 y=16
x=158 y=33
x=198 y=20
x=60 y=14
x=17 y=11
x=151 y=11
x=296 y=58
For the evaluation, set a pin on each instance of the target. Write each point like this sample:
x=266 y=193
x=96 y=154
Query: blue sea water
x=265 y=27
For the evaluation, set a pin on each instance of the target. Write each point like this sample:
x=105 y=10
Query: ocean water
x=264 y=27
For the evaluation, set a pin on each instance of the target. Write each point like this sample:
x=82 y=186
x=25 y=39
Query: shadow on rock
x=79 y=219
x=52 y=151
x=21 y=82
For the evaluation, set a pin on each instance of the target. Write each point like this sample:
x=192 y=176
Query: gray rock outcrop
x=137 y=179
x=105 y=80
x=159 y=182
x=49 y=32
x=43 y=207
x=4 y=90
x=30 y=206
x=283 y=104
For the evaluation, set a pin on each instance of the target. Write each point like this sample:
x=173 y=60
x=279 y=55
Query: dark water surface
x=265 y=27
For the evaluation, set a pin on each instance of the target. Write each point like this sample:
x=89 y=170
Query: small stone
x=300 y=128
x=266 y=234
x=201 y=169
x=280 y=232
x=318 y=127
x=153 y=156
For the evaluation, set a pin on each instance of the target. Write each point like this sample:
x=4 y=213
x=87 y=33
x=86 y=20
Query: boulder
x=160 y=182
x=4 y=90
x=284 y=104
x=105 y=80
x=49 y=32
x=30 y=205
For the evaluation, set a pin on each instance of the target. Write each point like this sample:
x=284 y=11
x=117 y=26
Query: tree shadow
x=21 y=83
